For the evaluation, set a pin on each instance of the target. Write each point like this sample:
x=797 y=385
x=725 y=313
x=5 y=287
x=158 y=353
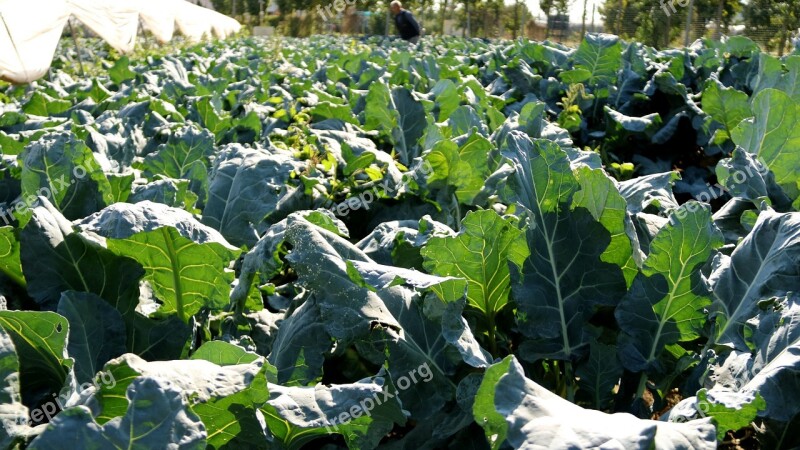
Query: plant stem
x=16 y=278
x=176 y=278
x=458 y=218
x=569 y=381
x=492 y=335
x=642 y=385
x=709 y=343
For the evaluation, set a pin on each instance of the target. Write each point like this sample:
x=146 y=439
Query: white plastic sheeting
x=162 y=17
x=194 y=22
x=116 y=21
x=30 y=29
x=158 y=17
x=29 y=34
x=224 y=26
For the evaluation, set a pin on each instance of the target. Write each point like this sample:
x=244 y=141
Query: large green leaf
x=666 y=303
x=97 y=332
x=157 y=417
x=597 y=60
x=185 y=155
x=232 y=422
x=732 y=411
x=171 y=192
x=481 y=253
x=727 y=107
x=745 y=177
x=790 y=79
x=447 y=99
x=730 y=415
x=13 y=413
x=399 y=116
x=224 y=353
x=455 y=329
x=362 y=412
x=9 y=255
x=599 y=375
x=55 y=258
x=246 y=187
x=208 y=110
x=399 y=242
x=121 y=71
x=770 y=368
x=185 y=261
x=600 y=196
x=621 y=129
x=392 y=322
x=61 y=168
x=224 y=397
x=565 y=277
x=158 y=339
x=763 y=265
x=40 y=339
x=41 y=104
x=786 y=79
x=536 y=418
x=300 y=346
x=465 y=166
x=493 y=423
x=773 y=137
x=327 y=110
x=463 y=120
x=120 y=186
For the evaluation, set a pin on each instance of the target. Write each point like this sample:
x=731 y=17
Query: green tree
x=661 y=24
x=643 y=20
x=771 y=21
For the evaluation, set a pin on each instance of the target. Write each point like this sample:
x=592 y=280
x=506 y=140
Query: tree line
x=658 y=23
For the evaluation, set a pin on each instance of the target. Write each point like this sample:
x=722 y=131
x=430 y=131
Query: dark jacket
x=407 y=26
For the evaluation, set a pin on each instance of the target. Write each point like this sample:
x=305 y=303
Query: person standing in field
x=407 y=26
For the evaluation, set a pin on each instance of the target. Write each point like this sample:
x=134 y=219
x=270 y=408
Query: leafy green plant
x=336 y=242
x=481 y=253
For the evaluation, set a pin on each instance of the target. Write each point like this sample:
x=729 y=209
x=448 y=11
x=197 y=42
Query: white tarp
x=116 y=21
x=30 y=29
x=29 y=34
x=223 y=25
x=158 y=17
x=162 y=17
x=193 y=21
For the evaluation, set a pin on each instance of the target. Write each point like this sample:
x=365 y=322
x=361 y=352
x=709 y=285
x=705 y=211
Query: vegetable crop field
x=353 y=243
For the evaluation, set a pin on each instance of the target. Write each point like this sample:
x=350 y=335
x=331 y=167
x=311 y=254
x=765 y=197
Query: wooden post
x=444 y=12
x=467 y=11
x=718 y=31
x=145 y=44
x=688 y=23
x=583 y=20
x=77 y=46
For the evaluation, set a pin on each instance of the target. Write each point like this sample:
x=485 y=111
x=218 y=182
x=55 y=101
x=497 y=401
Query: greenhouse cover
x=30 y=30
